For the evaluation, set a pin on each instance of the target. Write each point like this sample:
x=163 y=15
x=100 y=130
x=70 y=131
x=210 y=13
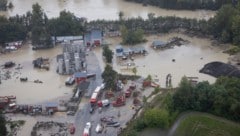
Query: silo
x=60 y=66
x=66 y=55
x=77 y=63
x=67 y=66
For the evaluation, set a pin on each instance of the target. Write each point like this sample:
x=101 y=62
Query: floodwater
x=101 y=9
x=53 y=85
x=189 y=59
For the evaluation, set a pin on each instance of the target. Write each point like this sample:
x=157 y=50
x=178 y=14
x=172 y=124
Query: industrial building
x=73 y=58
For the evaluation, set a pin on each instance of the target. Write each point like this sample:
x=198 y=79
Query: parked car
x=114 y=125
x=107 y=119
x=70 y=81
x=91 y=110
x=70 y=113
x=99 y=128
x=112 y=122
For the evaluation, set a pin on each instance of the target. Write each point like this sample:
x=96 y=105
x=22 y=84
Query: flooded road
x=189 y=59
x=101 y=9
x=53 y=85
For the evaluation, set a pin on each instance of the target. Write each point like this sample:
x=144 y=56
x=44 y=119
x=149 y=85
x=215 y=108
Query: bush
x=139 y=125
x=233 y=50
x=156 y=118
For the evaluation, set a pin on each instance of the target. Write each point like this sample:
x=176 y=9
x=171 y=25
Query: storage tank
x=77 y=63
x=60 y=66
x=67 y=66
x=66 y=55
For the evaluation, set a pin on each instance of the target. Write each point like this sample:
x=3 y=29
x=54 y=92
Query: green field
x=205 y=125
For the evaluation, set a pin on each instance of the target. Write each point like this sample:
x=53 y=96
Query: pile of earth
x=218 y=69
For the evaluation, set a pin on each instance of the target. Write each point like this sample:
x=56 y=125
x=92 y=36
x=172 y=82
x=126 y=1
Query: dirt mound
x=218 y=69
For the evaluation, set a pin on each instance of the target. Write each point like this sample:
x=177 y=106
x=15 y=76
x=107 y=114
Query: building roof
x=158 y=43
x=80 y=74
x=51 y=104
x=93 y=34
x=96 y=34
x=67 y=38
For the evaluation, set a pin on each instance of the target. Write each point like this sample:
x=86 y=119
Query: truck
x=103 y=103
x=120 y=101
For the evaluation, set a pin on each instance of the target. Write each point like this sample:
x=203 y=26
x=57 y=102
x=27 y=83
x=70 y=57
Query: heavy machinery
x=120 y=101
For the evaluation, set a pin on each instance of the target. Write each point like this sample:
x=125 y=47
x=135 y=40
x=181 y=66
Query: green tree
x=156 y=118
x=40 y=36
x=3 y=5
x=109 y=77
x=236 y=30
x=120 y=15
x=108 y=54
x=183 y=98
x=134 y=70
x=66 y=24
x=11 y=31
x=3 y=129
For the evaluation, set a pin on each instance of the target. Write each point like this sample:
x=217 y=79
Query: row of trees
x=11 y=30
x=225 y=26
x=39 y=27
x=131 y=36
x=221 y=98
x=3 y=5
x=186 y=4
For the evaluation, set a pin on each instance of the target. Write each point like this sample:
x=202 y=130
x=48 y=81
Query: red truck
x=120 y=101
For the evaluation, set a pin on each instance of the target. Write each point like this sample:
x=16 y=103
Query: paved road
x=83 y=116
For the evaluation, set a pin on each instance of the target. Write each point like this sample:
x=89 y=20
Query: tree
x=120 y=15
x=109 y=77
x=3 y=5
x=156 y=118
x=11 y=30
x=10 y=5
x=183 y=98
x=151 y=16
x=66 y=24
x=236 y=30
x=108 y=54
x=134 y=70
x=40 y=36
x=130 y=36
x=3 y=129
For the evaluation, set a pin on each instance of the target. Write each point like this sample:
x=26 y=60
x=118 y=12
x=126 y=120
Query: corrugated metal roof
x=158 y=43
x=51 y=105
x=80 y=74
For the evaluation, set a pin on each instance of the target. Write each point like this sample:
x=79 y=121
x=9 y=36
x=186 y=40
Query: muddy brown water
x=157 y=64
x=101 y=9
x=189 y=59
x=53 y=85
